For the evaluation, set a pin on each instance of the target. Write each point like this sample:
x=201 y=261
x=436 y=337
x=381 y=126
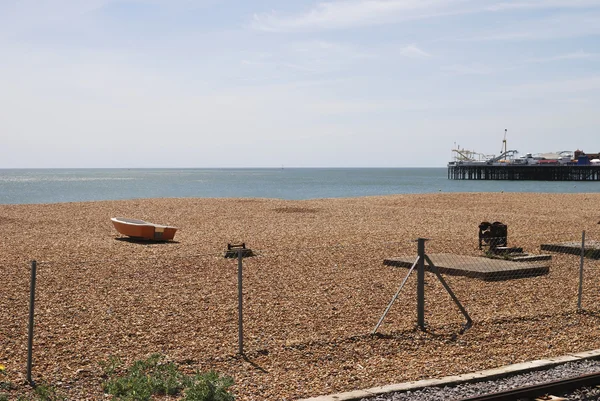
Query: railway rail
x=539 y=390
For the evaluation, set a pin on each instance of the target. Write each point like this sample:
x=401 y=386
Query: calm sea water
x=74 y=185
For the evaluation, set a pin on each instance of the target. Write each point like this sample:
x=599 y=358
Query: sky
x=297 y=83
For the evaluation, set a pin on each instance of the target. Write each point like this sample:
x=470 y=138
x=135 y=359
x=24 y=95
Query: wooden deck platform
x=476 y=267
x=592 y=248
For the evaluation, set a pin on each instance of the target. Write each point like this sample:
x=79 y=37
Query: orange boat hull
x=140 y=229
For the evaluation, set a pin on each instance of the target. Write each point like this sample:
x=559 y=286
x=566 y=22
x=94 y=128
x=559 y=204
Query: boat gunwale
x=136 y=222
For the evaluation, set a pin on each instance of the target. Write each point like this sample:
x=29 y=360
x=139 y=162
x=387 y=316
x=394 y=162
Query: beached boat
x=141 y=229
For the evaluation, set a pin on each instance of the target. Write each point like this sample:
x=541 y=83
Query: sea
x=27 y=186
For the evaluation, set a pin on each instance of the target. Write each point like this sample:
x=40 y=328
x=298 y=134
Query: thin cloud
x=461 y=69
x=413 y=51
x=546 y=4
x=578 y=55
x=348 y=14
x=337 y=15
x=30 y=12
x=482 y=69
x=20 y=16
x=313 y=57
x=578 y=86
x=555 y=27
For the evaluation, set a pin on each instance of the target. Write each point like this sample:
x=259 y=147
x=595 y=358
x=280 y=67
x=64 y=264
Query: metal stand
x=240 y=309
x=420 y=263
x=240 y=251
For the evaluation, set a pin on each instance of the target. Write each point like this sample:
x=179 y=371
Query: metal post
x=450 y=292
x=31 y=312
x=395 y=297
x=240 y=317
x=581 y=270
x=421 y=283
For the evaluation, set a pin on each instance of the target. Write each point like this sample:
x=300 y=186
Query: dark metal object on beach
x=234 y=249
x=493 y=235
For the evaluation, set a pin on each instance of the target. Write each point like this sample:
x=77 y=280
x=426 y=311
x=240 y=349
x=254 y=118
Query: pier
x=559 y=172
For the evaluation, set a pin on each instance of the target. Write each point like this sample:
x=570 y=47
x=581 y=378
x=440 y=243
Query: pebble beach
x=312 y=294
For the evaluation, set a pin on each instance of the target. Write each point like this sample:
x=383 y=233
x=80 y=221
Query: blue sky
x=361 y=83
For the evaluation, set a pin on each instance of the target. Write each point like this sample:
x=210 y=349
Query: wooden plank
x=591 y=250
x=523 y=257
x=531 y=258
x=476 y=267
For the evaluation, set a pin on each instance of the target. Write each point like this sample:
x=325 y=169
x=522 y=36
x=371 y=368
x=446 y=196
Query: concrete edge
x=489 y=374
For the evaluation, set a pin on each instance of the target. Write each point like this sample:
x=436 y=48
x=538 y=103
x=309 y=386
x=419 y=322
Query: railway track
x=540 y=390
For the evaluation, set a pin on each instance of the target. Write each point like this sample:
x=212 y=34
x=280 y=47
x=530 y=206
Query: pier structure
x=538 y=172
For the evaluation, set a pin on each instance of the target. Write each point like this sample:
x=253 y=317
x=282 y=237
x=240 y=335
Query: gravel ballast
x=312 y=295
x=466 y=390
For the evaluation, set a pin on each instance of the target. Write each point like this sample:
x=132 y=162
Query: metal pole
x=449 y=290
x=240 y=316
x=421 y=283
x=31 y=312
x=581 y=270
x=395 y=297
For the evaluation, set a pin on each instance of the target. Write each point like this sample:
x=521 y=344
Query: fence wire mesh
x=186 y=306
x=515 y=280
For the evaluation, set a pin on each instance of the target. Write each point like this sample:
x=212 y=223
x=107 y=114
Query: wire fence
x=187 y=306
x=510 y=281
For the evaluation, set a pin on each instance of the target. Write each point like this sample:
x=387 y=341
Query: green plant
x=209 y=387
x=144 y=379
x=152 y=376
x=4 y=385
x=110 y=367
x=47 y=393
